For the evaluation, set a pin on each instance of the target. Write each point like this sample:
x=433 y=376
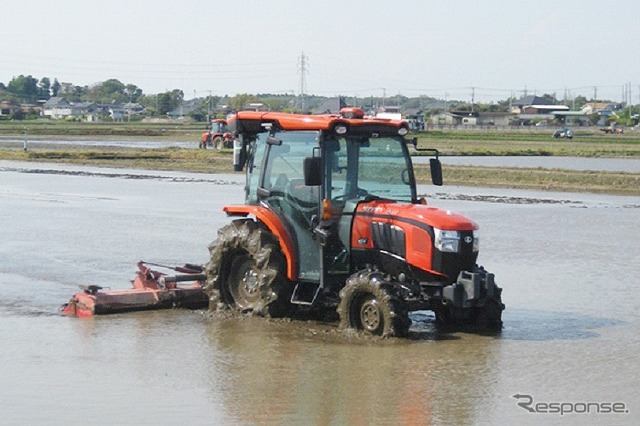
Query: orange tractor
x=332 y=223
x=216 y=135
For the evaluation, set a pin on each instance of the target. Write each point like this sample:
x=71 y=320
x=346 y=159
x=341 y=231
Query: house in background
x=58 y=108
x=603 y=110
x=454 y=118
x=7 y=108
x=134 y=108
x=531 y=109
x=116 y=112
x=494 y=118
x=535 y=105
x=595 y=107
x=186 y=108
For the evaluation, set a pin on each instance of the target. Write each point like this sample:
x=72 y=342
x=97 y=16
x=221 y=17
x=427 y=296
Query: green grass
x=483 y=143
x=151 y=159
x=153 y=131
x=538 y=178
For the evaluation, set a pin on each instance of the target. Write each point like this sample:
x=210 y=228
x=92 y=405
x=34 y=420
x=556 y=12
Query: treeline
x=30 y=90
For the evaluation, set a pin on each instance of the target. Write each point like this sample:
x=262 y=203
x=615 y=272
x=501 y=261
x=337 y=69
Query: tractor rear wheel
x=367 y=304
x=247 y=271
x=243 y=283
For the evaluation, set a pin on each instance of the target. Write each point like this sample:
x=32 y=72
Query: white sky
x=436 y=48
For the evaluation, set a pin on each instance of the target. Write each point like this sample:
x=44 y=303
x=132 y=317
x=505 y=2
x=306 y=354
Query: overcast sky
x=445 y=49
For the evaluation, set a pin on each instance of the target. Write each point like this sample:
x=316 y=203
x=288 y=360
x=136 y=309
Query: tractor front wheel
x=367 y=304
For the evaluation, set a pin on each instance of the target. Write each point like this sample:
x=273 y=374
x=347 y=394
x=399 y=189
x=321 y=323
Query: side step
x=305 y=293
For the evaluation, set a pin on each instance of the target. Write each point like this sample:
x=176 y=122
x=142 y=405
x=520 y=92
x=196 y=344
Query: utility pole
x=473 y=97
x=302 y=70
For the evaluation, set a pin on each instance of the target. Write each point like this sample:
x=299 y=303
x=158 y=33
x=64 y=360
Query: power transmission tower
x=303 y=69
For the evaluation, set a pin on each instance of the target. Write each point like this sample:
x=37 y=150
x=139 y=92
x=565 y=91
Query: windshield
x=369 y=167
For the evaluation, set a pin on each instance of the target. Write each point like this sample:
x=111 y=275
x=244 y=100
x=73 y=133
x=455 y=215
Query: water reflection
x=297 y=372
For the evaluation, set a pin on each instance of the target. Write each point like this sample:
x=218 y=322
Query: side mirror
x=312 y=171
x=436 y=171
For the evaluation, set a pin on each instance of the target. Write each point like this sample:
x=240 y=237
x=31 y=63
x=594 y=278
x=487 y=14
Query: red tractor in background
x=613 y=128
x=332 y=223
x=216 y=135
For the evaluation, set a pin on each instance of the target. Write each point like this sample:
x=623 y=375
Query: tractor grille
x=389 y=238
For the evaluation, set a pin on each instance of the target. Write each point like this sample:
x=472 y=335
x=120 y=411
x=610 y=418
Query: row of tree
x=30 y=90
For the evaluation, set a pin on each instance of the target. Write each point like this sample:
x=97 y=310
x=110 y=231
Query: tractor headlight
x=447 y=241
x=341 y=129
x=476 y=242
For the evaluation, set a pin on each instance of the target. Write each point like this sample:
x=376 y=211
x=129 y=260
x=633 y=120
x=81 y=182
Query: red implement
x=151 y=290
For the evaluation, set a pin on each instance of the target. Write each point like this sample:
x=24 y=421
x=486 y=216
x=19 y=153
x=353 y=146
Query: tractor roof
x=353 y=120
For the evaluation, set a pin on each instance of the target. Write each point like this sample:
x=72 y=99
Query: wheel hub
x=370 y=315
x=250 y=282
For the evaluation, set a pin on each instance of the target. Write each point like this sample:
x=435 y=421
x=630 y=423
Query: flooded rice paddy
x=567 y=264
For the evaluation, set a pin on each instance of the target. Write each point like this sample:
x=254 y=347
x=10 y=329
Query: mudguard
x=276 y=227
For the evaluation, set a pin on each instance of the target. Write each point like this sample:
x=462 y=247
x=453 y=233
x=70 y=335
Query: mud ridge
x=502 y=199
x=120 y=176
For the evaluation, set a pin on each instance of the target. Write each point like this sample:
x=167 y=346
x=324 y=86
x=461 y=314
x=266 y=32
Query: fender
x=276 y=227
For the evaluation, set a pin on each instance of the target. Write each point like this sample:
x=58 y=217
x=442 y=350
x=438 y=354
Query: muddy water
x=567 y=263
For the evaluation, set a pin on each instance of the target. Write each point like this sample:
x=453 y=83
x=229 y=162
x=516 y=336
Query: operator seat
x=278 y=187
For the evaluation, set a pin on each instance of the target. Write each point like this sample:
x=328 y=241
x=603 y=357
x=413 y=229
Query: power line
x=303 y=70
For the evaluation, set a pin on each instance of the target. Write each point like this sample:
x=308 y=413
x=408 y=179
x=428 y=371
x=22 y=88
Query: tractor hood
x=417 y=213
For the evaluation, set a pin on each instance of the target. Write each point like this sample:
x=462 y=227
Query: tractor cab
x=313 y=180
x=218 y=126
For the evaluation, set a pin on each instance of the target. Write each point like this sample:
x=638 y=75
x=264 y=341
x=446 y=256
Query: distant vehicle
x=565 y=132
x=216 y=135
x=613 y=128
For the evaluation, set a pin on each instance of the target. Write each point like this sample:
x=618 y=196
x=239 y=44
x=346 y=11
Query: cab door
x=283 y=188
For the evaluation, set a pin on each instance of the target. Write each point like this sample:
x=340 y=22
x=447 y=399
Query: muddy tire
x=246 y=271
x=366 y=304
x=217 y=142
